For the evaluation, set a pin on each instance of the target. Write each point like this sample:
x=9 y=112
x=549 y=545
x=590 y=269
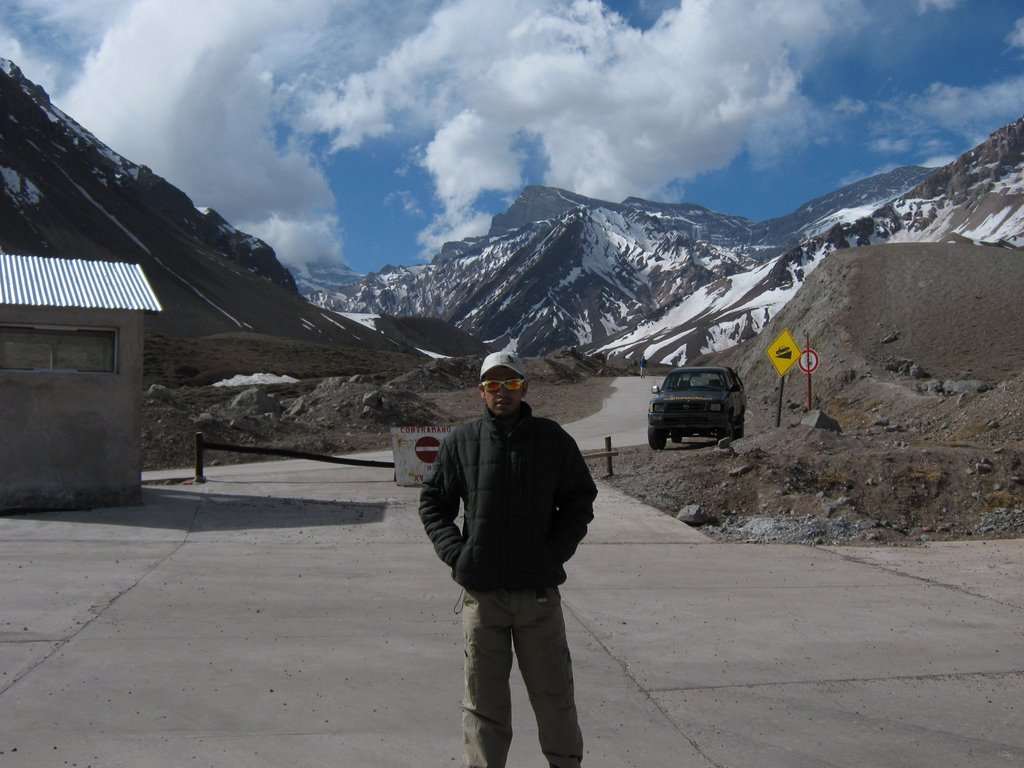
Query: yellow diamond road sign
x=784 y=352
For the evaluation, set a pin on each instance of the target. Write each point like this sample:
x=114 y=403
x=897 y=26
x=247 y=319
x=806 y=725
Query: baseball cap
x=503 y=359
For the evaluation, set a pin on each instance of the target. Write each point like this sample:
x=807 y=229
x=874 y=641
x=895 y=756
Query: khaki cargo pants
x=495 y=621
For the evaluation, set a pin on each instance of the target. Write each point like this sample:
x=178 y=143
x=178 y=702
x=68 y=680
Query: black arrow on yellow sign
x=783 y=352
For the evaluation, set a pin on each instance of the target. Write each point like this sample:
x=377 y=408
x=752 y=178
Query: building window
x=58 y=349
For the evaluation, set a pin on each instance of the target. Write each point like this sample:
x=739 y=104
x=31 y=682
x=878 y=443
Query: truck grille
x=686 y=407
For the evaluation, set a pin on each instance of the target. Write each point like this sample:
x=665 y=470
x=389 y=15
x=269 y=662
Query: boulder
x=818 y=419
x=966 y=387
x=162 y=393
x=693 y=514
x=297 y=407
x=254 y=401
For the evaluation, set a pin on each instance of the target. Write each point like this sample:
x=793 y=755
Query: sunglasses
x=510 y=385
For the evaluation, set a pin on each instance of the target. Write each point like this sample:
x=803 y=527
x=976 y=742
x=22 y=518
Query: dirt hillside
x=921 y=360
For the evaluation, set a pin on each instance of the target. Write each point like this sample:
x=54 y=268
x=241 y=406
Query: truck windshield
x=694 y=380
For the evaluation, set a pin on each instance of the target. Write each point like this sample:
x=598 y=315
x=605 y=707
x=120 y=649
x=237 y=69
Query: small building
x=71 y=334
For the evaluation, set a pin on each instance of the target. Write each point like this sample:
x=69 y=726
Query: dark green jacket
x=528 y=497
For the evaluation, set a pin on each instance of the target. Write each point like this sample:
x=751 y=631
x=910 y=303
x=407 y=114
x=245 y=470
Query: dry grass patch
x=1000 y=500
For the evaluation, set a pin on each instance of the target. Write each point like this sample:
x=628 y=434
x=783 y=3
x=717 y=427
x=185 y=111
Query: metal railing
x=202 y=446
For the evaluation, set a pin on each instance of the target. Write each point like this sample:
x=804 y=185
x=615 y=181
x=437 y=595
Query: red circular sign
x=426 y=449
x=808 y=360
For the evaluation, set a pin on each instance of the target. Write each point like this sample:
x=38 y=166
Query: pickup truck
x=707 y=401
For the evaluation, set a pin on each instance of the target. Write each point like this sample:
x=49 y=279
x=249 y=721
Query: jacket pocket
x=464 y=562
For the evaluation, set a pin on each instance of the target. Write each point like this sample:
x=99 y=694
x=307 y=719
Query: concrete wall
x=73 y=440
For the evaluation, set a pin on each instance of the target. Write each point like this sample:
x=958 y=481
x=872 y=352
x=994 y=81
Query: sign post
x=783 y=354
x=808 y=364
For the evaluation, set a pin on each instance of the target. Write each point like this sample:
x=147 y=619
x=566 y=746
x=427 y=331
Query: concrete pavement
x=293 y=614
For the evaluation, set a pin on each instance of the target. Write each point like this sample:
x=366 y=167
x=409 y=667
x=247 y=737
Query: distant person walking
x=528 y=498
x=643 y=367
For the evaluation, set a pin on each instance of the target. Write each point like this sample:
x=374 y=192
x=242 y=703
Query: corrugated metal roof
x=39 y=281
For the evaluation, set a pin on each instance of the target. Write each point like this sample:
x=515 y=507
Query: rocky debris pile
x=332 y=416
x=336 y=414
x=568 y=365
x=441 y=375
x=806 y=529
x=1001 y=520
x=893 y=480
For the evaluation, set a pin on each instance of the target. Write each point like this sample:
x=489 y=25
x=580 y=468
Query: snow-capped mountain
x=845 y=205
x=312 y=279
x=676 y=282
x=669 y=281
x=560 y=269
x=979 y=198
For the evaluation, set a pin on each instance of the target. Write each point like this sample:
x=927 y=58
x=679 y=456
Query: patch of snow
x=242 y=380
x=435 y=355
x=987 y=230
x=19 y=188
x=364 y=319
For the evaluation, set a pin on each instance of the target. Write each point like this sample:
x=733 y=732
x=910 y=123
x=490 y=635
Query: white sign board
x=808 y=361
x=416 y=450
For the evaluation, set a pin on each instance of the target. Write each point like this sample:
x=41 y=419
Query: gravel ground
x=921 y=365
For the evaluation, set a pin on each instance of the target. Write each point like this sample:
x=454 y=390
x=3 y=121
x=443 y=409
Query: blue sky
x=370 y=133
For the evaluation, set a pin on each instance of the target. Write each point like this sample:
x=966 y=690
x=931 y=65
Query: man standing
x=528 y=498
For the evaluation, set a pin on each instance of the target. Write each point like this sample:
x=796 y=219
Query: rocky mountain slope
x=674 y=282
x=559 y=269
x=928 y=392
x=976 y=199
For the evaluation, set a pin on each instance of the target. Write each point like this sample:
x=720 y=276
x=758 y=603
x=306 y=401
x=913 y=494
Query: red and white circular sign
x=808 y=360
x=427 y=448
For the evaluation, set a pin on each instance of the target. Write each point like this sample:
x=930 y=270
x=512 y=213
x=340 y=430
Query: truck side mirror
x=655 y=390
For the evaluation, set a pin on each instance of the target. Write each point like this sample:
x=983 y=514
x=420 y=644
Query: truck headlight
x=717 y=407
x=657 y=407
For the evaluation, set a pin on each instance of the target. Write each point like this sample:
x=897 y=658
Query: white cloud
x=451 y=226
x=847 y=107
x=891 y=145
x=188 y=88
x=942 y=121
x=923 y=6
x=299 y=242
x=246 y=103
x=469 y=154
x=938 y=161
x=1016 y=37
x=611 y=111
x=40 y=70
x=406 y=200
x=968 y=112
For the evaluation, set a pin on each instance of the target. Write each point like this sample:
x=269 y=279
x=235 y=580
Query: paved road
x=292 y=614
x=623 y=416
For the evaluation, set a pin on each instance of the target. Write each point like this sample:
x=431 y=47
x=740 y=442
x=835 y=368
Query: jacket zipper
x=506 y=462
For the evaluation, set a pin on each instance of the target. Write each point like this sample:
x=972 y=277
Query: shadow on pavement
x=164 y=508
